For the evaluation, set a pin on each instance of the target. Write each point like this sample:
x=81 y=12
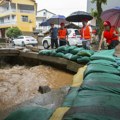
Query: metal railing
x=8 y=23
x=26 y=11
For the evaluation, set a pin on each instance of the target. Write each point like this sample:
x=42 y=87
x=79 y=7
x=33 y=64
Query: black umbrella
x=79 y=16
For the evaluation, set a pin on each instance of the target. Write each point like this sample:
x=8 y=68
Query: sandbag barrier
x=73 y=53
x=95 y=92
x=99 y=95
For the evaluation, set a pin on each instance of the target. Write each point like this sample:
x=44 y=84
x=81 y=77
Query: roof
x=46 y=11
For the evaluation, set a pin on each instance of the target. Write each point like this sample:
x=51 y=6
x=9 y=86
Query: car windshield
x=77 y=32
x=28 y=37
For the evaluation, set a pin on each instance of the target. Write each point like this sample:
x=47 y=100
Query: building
x=42 y=15
x=110 y=4
x=18 y=13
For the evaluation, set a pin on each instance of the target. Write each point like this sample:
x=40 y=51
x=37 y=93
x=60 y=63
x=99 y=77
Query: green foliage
x=13 y=32
x=98 y=13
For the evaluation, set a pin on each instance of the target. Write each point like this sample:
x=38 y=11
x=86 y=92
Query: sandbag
x=68 y=101
x=85 y=53
x=59 y=54
x=104 y=62
x=70 y=48
x=83 y=59
x=53 y=53
x=102 y=77
x=104 y=54
x=101 y=68
x=45 y=52
x=74 y=57
x=68 y=56
x=117 y=59
x=118 y=68
x=64 y=49
x=76 y=50
x=30 y=113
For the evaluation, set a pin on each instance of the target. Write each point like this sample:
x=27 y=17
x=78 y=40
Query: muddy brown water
x=21 y=83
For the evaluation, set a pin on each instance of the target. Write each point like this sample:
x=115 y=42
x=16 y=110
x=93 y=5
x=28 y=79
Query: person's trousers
x=113 y=44
x=62 y=42
x=54 y=42
x=86 y=44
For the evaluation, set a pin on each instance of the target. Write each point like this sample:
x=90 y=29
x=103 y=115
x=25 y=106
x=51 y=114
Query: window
x=20 y=37
x=44 y=13
x=25 y=18
x=77 y=32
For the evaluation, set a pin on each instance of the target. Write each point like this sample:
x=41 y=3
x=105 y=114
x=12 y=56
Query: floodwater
x=21 y=83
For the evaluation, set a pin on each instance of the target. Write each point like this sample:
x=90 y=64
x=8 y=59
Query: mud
x=21 y=83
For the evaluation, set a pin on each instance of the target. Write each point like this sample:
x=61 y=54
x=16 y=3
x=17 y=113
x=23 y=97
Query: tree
x=13 y=32
x=97 y=14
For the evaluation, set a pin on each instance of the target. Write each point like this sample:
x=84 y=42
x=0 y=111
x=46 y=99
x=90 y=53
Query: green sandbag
x=30 y=113
x=76 y=50
x=68 y=56
x=118 y=68
x=107 y=77
x=104 y=62
x=75 y=57
x=53 y=53
x=101 y=68
x=102 y=84
x=117 y=59
x=64 y=49
x=86 y=53
x=89 y=97
x=45 y=52
x=104 y=54
x=84 y=116
x=59 y=54
x=70 y=48
x=83 y=60
x=68 y=101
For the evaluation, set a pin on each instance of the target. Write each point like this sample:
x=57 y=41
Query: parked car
x=41 y=35
x=73 y=39
x=24 y=40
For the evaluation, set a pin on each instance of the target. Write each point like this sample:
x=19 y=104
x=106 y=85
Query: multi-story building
x=110 y=4
x=42 y=15
x=18 y=13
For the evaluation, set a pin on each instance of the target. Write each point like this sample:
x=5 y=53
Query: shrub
x=13 y=32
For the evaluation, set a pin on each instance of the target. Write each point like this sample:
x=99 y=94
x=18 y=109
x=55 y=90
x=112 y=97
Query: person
x=62 y=35
x=111 y=36
x=85 y=33
x=54 y=36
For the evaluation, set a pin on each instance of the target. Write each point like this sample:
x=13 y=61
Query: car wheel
x=23 y=44
x=45 y=45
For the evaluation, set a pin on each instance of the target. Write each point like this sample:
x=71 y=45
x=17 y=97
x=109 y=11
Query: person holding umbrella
x=85 y=33
x=54 y=36
x=111 y=36
x=62 y=35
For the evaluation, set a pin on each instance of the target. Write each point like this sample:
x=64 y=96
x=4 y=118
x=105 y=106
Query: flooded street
x=21 y=83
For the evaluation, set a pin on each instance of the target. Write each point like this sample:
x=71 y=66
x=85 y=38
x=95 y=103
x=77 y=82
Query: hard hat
x=107 y=23
x=62 y=24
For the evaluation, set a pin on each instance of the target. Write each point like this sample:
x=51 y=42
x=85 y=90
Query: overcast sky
x=62 y=7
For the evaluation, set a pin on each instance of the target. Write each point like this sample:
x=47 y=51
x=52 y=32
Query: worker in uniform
x=62 y=35
x=85 y=33
x=111 y=36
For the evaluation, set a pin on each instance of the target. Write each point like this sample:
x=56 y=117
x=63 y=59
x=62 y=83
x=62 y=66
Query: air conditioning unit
x=30 y=21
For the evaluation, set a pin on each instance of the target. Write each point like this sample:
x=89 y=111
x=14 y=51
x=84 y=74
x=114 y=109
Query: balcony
x=8 y=23
x=26 y=11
